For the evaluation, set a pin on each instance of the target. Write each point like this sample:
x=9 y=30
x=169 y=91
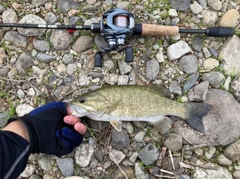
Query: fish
x=119 y=103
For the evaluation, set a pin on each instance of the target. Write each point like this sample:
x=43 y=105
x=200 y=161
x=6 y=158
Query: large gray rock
x=177 y=50
x=149 y=154
x=221 y=124
x=60 y=39
x=31 y=19
x=230 y=56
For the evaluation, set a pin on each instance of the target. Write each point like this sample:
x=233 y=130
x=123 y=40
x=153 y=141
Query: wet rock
x=152 y=69
x=41 y=45
x=120 y=140
x=208 y=174
x=223 y=160
x=83 y=155
x=60 y=39
x=177 y=50
x=173 y=142
x=218 y=130
x=66 y=166
x=149 y=154
x=230 y=18
x=181 y=5
x=199 y=92
x=189 y=64
x=215 y=79
x=82 y=43
x=16 y=38
x=139 y=172
x=24 y=62
x=190 y=82
x=9 y=16
x=31 y=19
x=45 y=163
x=230 y=55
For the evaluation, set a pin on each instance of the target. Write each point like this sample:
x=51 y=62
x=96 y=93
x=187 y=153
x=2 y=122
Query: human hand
x=52 y=129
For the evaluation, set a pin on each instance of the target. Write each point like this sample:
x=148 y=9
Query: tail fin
x=196 y=113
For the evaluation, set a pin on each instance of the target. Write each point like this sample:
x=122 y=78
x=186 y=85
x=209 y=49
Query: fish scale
x=137 y=103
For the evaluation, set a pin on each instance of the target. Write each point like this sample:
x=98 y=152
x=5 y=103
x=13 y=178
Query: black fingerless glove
x=47 y=131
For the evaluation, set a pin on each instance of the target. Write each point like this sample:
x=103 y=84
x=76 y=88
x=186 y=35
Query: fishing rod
x=117 y=25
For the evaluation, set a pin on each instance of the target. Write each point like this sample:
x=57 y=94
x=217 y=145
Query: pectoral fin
x=113 y=106
x=117 y=125
x=163 y=124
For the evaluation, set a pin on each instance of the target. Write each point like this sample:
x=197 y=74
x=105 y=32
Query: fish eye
x=81 y=100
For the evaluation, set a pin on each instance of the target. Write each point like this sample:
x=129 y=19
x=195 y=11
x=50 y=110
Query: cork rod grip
x=154 y=30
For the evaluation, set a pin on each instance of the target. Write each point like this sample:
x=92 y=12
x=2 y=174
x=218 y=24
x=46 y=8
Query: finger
x=80 y=128
x=71 y=120
x=69 y=112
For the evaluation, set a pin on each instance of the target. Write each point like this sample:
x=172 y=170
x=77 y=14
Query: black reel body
x=116 y=25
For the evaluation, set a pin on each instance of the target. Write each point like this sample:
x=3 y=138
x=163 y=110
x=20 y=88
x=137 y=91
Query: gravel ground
x=38 y=66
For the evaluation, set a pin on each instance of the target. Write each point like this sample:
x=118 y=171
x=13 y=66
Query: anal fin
x=163 y=125
x=117 y=125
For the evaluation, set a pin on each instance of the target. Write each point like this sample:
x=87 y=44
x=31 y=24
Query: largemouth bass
x=136 y=103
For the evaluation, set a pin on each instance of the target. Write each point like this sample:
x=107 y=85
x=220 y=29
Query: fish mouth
x=76 y=110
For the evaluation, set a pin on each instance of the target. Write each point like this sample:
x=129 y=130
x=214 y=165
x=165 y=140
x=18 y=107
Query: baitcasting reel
x=116 y=25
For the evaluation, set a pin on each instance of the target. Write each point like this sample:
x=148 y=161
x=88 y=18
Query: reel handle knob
x=98 y=59
x=129 y=54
